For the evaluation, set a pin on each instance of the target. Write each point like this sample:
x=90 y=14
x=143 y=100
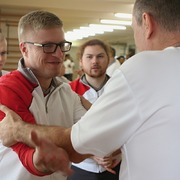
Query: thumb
x=4 y=108
x=110 y=170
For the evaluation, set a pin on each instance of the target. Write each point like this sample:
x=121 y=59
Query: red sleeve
x=16 y=93
x=78 y=87
x=25 y=154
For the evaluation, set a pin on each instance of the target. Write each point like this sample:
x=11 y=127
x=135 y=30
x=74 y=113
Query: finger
x=9 y=113
x=4 y=108
x=111 y=170
x=99 y=159
x=115 y=163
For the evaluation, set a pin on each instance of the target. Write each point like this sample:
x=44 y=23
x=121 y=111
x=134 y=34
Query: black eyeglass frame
x=46 y=45
x=4 y=53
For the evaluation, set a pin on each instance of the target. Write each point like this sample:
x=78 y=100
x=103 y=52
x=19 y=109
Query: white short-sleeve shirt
x=139 y=111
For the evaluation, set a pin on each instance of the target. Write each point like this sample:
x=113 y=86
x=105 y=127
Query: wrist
x=19 y=130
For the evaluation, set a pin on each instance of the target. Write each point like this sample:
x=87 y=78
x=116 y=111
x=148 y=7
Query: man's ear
x=22 y=47
x=148 y=24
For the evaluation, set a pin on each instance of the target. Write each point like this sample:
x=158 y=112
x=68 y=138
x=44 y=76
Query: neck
x=170 y=39
x=96 y=82
x=176 y=44
x=45 y=84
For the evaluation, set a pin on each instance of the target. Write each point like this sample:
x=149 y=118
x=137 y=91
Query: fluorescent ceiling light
x=106 y=21
x=123 y=15
x=101 y=27
x=107 y=27
x=91 y=30
x=69 y=36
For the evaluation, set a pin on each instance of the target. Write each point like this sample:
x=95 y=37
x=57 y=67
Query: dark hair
x=165 y=12
x=119 y=57
x=113 y=51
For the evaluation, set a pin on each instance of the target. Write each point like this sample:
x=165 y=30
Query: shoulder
x=10 y=76
x=75 y=83
x=4 y=72
x=62 y=79
x=17 y=81
x=79 y=87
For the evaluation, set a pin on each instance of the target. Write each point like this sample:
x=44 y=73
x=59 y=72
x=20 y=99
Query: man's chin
x=95 y=75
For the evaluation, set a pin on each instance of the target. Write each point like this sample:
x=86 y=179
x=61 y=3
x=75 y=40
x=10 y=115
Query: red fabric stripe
x=79 y=87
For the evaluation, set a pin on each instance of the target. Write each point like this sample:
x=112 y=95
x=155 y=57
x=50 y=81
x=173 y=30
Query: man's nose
x=58 y=52
x=1 y=57
x=95 y=59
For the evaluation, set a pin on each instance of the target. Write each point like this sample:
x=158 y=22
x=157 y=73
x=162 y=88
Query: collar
x=27 y=72
x=84 y=81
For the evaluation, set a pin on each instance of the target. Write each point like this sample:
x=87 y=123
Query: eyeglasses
x=4 y=53
x=52 y=47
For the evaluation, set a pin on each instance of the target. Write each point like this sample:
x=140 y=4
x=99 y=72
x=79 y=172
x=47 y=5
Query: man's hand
x=107 y=162
x=86 y=104
x=8 y=126
x=49 y=158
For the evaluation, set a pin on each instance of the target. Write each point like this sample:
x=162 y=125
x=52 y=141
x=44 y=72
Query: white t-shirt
x=139 y=111
x=112 y=67
x=69 y=65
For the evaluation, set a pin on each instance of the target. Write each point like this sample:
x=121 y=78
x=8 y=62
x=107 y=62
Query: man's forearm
x=56 y=134
x=22 y=131
x=13 y=129
x=62 y=137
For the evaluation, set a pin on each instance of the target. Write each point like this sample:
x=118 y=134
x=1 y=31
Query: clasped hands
x=47 y=157
x=108 y=162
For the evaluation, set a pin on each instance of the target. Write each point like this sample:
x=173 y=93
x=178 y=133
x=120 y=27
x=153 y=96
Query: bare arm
x=49 y=158
x=86 y=104
x=46 y=139
x=60 y=136
x=13 y=129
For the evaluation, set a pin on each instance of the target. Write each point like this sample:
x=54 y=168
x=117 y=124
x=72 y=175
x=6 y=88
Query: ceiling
x=74 y=13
